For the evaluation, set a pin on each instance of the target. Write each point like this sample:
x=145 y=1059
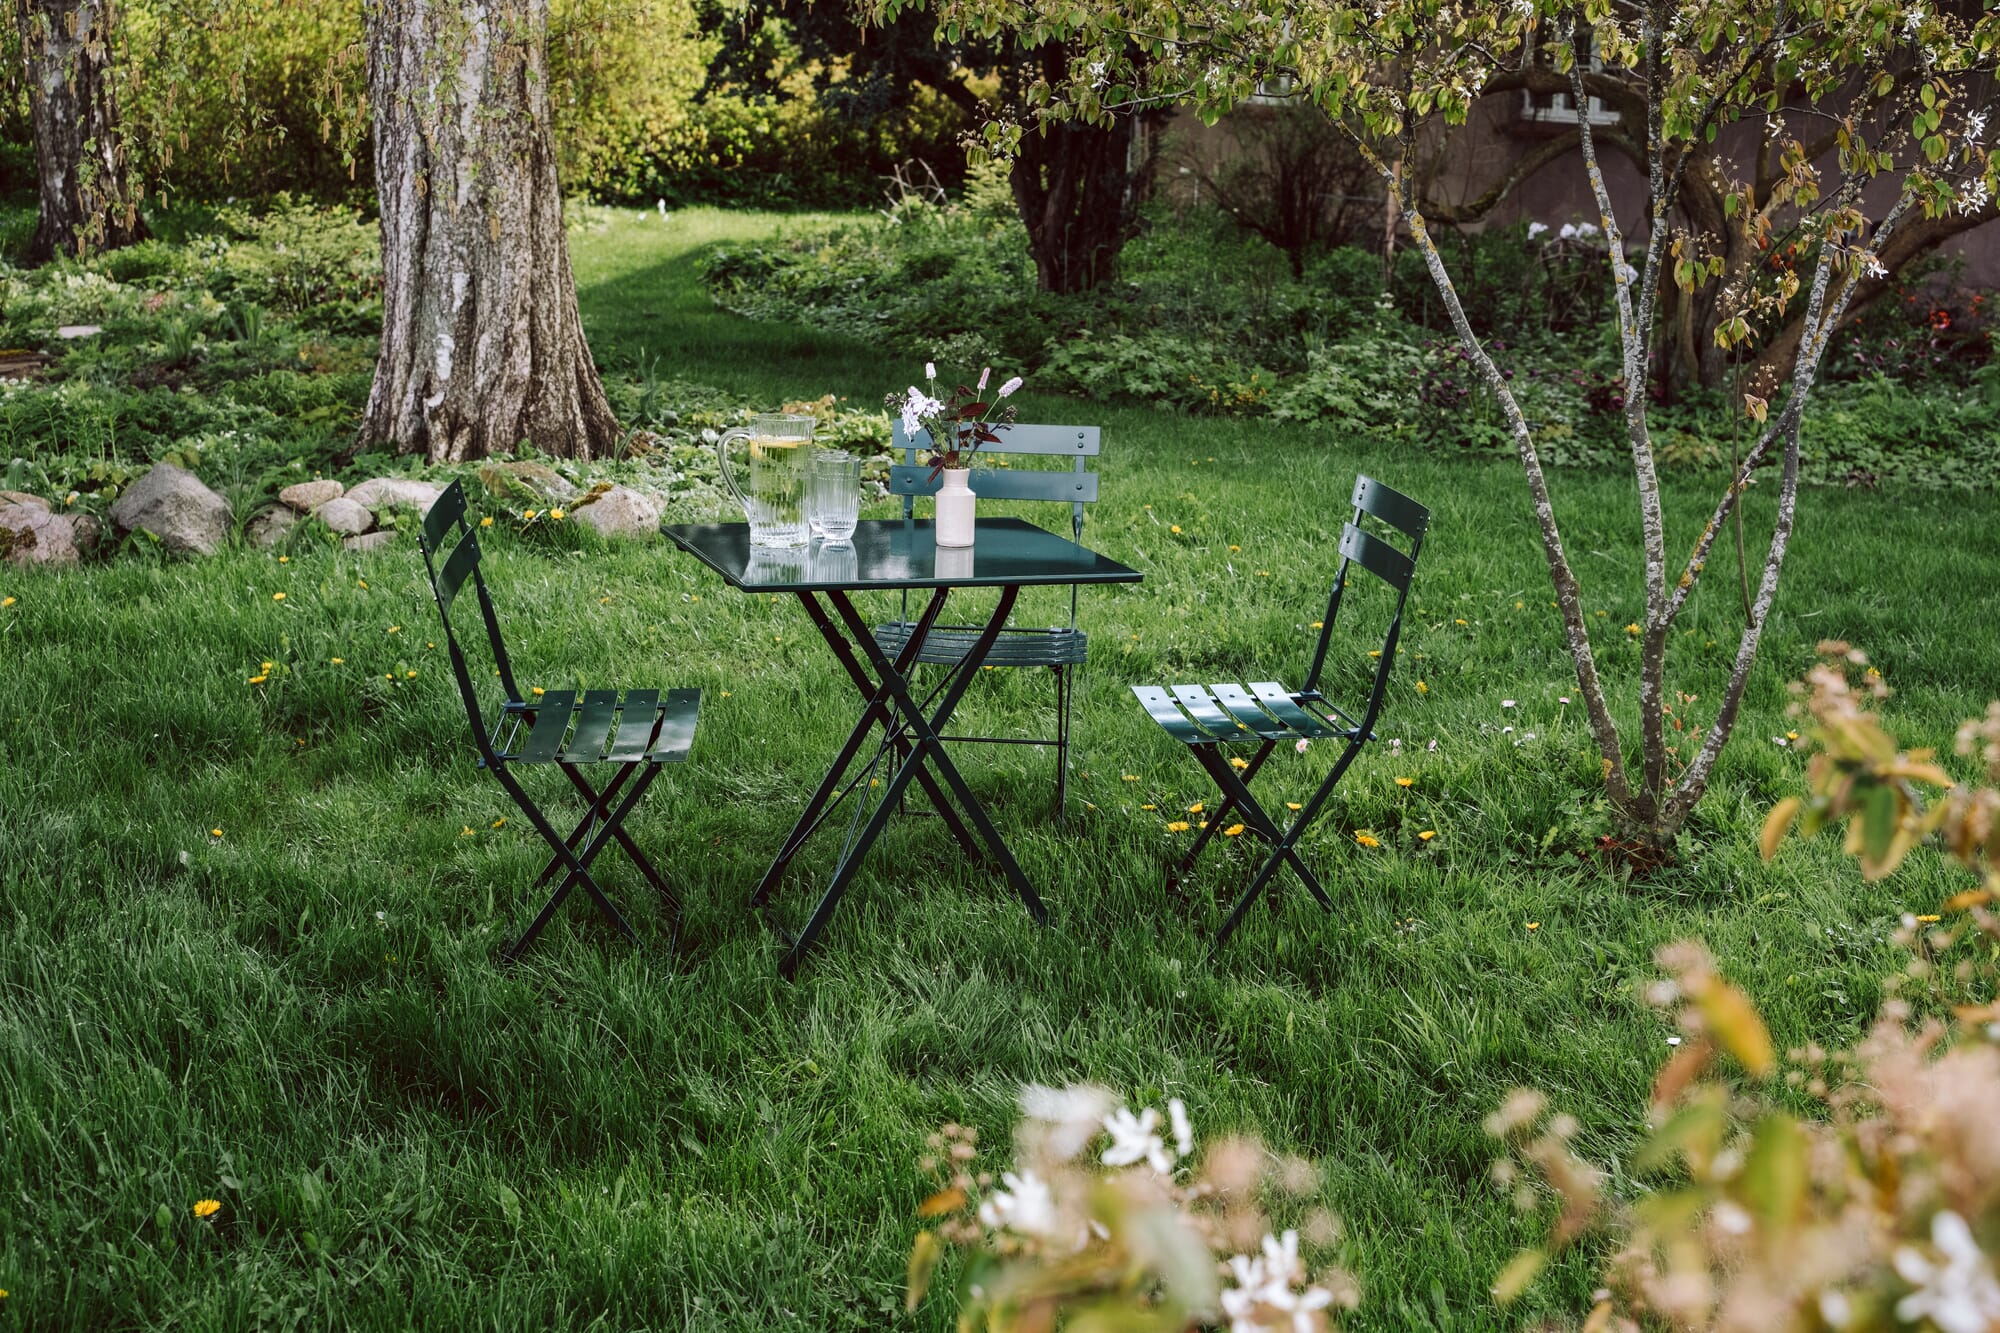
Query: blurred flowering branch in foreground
x=1879 y=1208
x=1107 y=1220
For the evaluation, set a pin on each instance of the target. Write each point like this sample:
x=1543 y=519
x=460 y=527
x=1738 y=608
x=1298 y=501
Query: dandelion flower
x=1238 y=762
x=1791 y=735
x=1232 y=830
x=1367 y=839
x=284 y=560
x=1427 y=835
x=1235 y=548
x=395 y=629
x=1632 y=628
x=1460 y=621
x=361 y=584
x=1406 y=782
x=8 y=601
x=337 y=661
x=531 y=514
x=500 y=822
x=277 y=597
x=1128 y=777
x=465 y=832
x=1149 y=806
x=538 y=691
x=1423 y=688
x=1534 y=925
x=1178 y=826
x=215 y=833
x=1319 y=624
x=1197 y=807
x=1175 y=529
x=205 y=1208
x=1293 y=805
x=556 y=514
x=258 y=680
x=410 y=675
x=486 y=522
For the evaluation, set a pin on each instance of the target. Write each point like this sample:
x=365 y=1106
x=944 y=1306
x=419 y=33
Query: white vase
x=955 y=502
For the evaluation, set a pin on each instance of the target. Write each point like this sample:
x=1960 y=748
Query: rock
x=345 y=516
x=23 y=498
x=619 y=512
x=390 y=492
x=69 y=331
x=534 y=481
x=271 y=527
x=369 y=541
x=32 y=536
x=173 y=505
x=306 y=496
x=87 y=530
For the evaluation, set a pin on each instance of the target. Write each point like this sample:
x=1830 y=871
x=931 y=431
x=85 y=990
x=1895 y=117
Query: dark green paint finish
x=891 y=554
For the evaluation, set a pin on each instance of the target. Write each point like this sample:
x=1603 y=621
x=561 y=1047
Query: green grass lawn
x=300 y=1017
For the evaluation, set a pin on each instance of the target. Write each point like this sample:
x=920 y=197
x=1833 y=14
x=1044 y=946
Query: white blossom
x=983 y=376
x=1183 y=1128
x=1136 y=1139
x=1913 y=19
x=1072 y=1114
x=1568 y=232
x=1975 y=125
x=1536 y=229
x=1007 y=389
x=1974 y=195
x=1873 y=267
x=1959 y=1294
x=1264 y=1290
x=930 y=371
x=1025 y=1206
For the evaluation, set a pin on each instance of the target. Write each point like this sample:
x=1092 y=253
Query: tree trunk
x=482 y=347
x=86 y=201
x=1073 y=187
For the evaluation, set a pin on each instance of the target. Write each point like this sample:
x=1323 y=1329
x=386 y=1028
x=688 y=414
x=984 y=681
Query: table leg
x=926 y=749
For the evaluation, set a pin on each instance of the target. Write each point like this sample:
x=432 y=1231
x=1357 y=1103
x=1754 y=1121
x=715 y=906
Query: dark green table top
x=899 y=553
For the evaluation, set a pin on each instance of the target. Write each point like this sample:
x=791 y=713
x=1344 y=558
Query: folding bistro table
x=891 y=555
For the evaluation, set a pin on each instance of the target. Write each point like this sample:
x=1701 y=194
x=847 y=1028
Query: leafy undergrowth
x=249 y=928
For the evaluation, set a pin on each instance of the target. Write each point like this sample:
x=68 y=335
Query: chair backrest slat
x=1393 y=507
x=1022 y=438
x=995 y=483
x=446 y=510
x=462 y=561
x=1377 y=557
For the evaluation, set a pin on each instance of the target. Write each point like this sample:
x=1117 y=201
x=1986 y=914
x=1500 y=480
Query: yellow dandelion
x=1367 y=839
x=486 y=522
x=1460 y=621
x=1423 y=688
x=1374 y=652
x=1175 y=529
x=1128 y=777
x=1293 y=805
x=1534 y=925
x=215 y=833
x=1520 y=606
x=500 y=822
x=337 y=661
x=1178 y=826
x=277 y=597
x=530 y=514
x=1197 y=807
x=284 y=560
x=725 y=694
x=388 y=675
x=1319 y=624
x=207 y=1207
x=1427 y=834
x=1263 y=573
x=556 y=514
x=465 y=832
x=537 y=691
x=1232 y=830
x=361 y=584
x=1235 y=548
x=1929 y=917
x=1791 y=735
x=411 y=675
x=258 y=680
x=7 y=602
x=1149 y=806
x=1632 y=628
x=1238 y=762
x=1406 y=782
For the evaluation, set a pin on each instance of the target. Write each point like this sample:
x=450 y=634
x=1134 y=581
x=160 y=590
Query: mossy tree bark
x=482 y=346
x=87 y=202
x=1073 y=184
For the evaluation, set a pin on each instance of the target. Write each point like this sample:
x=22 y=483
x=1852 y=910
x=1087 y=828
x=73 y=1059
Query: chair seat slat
x=635 y=727
x=1278 y=700
x=552 y=716
x=1161 y=708
x=593 y=727
x=1245 y=710
x=677 y=724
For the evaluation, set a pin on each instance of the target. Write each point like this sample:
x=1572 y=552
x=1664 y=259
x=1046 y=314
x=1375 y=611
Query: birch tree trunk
x=86 y=201
x=482 y=346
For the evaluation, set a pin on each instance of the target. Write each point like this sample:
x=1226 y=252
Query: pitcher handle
x=722 y=457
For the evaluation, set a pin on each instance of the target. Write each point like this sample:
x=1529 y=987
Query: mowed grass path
x=300 y=1016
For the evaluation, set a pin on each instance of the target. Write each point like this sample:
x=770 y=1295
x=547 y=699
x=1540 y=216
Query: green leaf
x=1878 y=821
x=1774 y=1176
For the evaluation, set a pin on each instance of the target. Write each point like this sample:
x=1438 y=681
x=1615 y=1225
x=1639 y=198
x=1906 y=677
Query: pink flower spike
x=930 y=370
x=1007 y=389
x=984 y=375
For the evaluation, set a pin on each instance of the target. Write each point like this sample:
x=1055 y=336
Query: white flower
x=930 y=371
x=1975 y=125
x=1960 y=1294
x=1135 y=1139
x=1262 y=1301
x=1568 y=232
x=1562 y=698
x=1007 y=389
x=981 y=387
x=1586 y=229
x=1536 y=229
x=1097 y=73
x=1913 y=20
x=1303 y=745
x=1177 y=1116
x=1025 y=1206
x=1974 y=195
x=1072 y=1114
x=1506 y=703
x=1873 y=267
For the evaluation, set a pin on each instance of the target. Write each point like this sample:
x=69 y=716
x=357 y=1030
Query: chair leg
x=1065 y=692
x=1282 y=842
x=1222 y=813
x=577 y=864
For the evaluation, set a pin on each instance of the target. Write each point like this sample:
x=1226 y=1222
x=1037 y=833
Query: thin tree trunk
x=87 y=203
x=482 y=346
x=1073 y=188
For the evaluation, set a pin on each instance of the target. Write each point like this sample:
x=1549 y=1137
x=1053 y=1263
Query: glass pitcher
x=781 y=451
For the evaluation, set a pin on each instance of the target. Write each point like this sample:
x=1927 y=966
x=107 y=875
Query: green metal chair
x=1210 y=719
x=1060 y=648
x=634 y=731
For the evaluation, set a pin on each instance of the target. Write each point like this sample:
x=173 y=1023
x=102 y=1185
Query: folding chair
x=1211 y=719
x=635 y=730
x=1060 y=648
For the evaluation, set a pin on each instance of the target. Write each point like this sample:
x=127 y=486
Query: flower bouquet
x=958 y=425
